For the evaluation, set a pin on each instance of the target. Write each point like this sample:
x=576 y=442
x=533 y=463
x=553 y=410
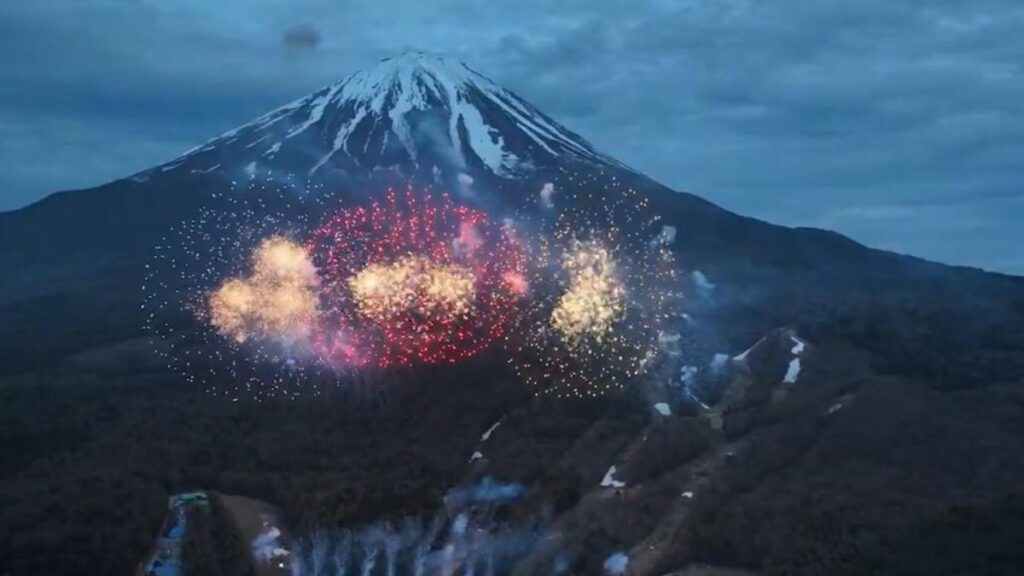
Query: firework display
x=264 y=294
x=604 y=279
x=414 y=278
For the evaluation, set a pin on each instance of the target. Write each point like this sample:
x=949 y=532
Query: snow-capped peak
x=417 y=111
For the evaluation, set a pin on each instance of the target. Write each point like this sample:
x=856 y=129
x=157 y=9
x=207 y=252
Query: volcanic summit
x=421 y=112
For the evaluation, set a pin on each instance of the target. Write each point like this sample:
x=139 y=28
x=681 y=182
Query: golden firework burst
x=413 y=284
x=278 y=300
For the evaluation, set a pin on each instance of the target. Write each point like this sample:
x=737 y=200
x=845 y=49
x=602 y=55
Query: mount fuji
x=434 y=119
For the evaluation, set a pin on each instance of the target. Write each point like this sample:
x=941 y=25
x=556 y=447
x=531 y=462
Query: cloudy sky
x=899 y=123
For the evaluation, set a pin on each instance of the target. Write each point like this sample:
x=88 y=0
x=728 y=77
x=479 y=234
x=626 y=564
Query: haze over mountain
x=834 y=401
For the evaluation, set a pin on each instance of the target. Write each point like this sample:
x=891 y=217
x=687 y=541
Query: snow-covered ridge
x=417 y=109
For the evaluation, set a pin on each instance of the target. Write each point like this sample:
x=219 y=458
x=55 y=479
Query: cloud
x=826 y=107
x=301 y=37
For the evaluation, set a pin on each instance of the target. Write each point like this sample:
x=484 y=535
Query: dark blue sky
x=899 y=123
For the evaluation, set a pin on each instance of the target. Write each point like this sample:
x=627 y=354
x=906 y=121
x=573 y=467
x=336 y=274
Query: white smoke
x=666 y=237
x=465 y=183
x=546 y=192
x=464 y=538
x=487 y=490
x=704 y=286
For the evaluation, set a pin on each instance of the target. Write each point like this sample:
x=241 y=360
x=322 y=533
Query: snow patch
x=798 y=346
x=719 y=363
x=487 y=433
x=316 y=112
x=616 y=564
x=486 y=142
x=257 y=141
x=543 y=132
x=171 y=166
x=416 y=82
x=792 y=371
x=663 y=409
x=340 y=140
x=268 y=544
x=609 y=480
x=743 y=355
x=273 y=150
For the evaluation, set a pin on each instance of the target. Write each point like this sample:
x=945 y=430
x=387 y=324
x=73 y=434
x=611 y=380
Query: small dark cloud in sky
x=301 y=37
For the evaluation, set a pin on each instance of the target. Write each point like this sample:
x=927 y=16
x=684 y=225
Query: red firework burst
x=415 y=278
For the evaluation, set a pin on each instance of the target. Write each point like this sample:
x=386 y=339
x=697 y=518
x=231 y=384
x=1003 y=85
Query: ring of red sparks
x=421 y=225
